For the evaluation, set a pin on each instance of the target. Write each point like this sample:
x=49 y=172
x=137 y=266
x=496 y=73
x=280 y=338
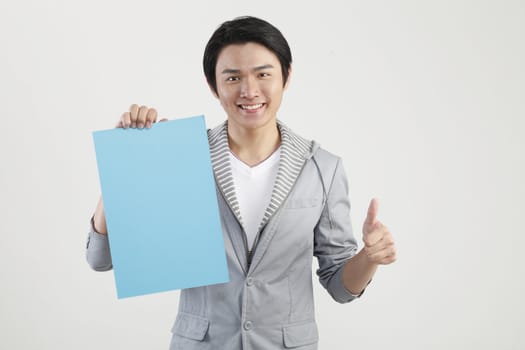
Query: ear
x=289 y=77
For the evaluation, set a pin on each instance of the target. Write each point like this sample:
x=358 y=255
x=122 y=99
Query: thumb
x=371 y=216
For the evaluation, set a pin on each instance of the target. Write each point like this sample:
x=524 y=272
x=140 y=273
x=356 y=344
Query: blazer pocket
x=191 y=326
x=295 y=335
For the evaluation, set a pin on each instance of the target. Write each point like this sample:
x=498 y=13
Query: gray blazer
x=268 y=303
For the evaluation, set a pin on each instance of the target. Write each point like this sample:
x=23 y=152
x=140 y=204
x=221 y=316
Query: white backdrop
x=424 y=100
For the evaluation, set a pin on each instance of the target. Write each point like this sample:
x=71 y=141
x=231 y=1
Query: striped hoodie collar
x=295 y=150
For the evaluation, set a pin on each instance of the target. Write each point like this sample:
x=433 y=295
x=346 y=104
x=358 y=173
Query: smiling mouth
x=252 y=107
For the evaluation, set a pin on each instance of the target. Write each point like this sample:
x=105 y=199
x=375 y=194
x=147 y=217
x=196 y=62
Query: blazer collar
x=295 y=150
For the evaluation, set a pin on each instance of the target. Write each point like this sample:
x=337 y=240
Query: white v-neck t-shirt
x=253 y=187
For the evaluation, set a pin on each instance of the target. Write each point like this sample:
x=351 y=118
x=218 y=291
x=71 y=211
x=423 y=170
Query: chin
x=255 y=123
x=251 y=121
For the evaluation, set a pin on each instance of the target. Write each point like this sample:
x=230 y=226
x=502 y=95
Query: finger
x=141 y=118
x=386 y=240
x=133 y=112
x=377 y=233
x=151 y=117
x=388 y=260
x=382 y=255
x=371 y=215
x=374 y=234
x=125 y=120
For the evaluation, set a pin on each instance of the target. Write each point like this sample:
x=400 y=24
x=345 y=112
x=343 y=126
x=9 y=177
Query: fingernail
x=140 y=125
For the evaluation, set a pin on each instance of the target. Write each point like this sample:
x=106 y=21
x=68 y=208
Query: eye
x=264 y=75
x=232 y=78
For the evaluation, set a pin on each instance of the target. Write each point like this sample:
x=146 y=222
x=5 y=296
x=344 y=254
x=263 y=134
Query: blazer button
x=249 y=281
x=248 y=325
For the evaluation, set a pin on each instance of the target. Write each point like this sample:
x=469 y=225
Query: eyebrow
x=256 y=69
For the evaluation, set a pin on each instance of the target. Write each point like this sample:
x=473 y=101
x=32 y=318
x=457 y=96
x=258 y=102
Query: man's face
x=249 y=85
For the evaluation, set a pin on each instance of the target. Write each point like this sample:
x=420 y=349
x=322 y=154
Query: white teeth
x=251 y=107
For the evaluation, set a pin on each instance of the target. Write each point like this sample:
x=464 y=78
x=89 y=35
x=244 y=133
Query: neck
x=253 y=146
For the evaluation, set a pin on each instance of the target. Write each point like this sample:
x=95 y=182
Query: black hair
x=243 y=30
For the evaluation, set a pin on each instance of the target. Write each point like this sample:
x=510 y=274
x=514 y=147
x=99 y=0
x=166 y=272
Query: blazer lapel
x=295 y=150
x=220 y=160
x=233 y=232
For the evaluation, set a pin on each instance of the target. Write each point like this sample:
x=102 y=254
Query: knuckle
x=152 y=114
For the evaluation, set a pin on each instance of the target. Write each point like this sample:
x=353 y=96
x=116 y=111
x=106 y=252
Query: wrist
x=98 y=228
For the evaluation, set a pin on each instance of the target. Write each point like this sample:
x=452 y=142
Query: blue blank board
x=161 y=207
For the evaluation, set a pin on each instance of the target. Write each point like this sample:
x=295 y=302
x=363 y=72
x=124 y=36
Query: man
x=282 y=200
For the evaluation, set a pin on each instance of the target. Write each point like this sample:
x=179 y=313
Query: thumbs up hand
x=379 y=244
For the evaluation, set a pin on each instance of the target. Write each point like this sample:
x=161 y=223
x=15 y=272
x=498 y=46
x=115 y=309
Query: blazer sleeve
x=334 y=242
x=98 y=254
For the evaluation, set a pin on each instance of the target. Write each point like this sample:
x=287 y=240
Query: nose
x=249 y=88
